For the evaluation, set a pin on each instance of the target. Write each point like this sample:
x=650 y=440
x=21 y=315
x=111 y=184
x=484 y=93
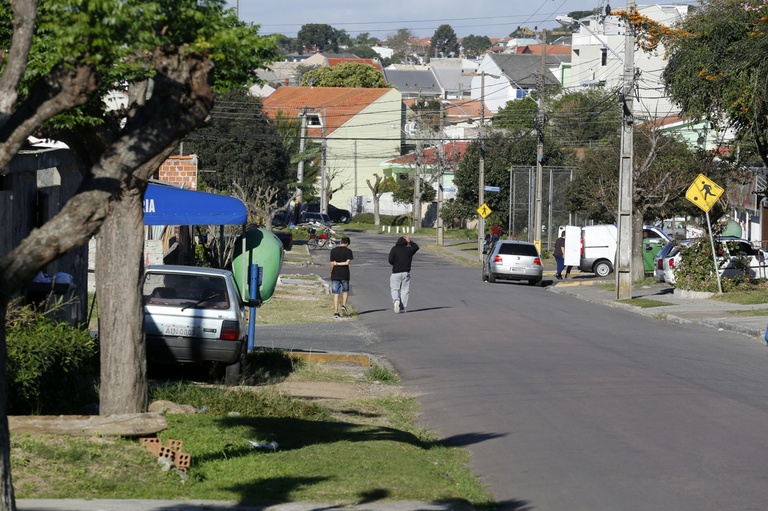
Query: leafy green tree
x=716 y=69
x=519 y=116
x=240 y=146
x=587 y=117
x=61 y=59
x=317 y=35
x=664 y=167
x=363 y=51
x=400 y=41
x=365 y=39
x=348 y=74
x=444 y=42
x=476 y=44
x=500 y=151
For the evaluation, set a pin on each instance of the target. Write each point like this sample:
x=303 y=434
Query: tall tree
x=320 y=36
x=61 y=60
x=476 y=44
x=664 y=167
x=444 y=42
x=716 y=68
x=240 y=146
x=401 y=41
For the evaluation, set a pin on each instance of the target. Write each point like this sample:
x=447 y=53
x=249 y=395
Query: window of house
x=313 y=120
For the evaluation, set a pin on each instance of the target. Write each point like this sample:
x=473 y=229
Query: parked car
x=598 y=247
x=729 y=250
x=658 y=260
x=513 y=260
x=194 y=315
x=337 y=215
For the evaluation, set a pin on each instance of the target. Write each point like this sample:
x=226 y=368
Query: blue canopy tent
x=167 y=205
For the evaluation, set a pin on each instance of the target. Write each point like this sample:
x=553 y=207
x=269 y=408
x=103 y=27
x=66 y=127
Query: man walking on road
x=341 y=256
x=400 y=258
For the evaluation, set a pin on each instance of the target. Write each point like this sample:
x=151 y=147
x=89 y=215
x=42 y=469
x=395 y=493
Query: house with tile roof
x=436 y=165
x=509 y=77
x=361 y=128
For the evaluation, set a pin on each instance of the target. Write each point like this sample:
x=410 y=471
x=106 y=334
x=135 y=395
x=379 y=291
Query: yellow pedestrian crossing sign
x=484 y=210
x=704 y=192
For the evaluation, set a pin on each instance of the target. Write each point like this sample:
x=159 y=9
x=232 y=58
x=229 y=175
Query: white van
x=598 y=247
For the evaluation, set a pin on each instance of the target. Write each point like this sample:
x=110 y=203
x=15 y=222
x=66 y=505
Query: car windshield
x=185 y=290
x=520 y=249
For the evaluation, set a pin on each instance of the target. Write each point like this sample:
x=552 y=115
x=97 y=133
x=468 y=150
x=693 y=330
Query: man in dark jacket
x=400 y=258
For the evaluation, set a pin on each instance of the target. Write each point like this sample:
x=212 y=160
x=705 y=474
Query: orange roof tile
x=336 y=104
x=453 y=151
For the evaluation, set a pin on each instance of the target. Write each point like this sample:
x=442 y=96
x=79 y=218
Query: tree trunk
x=376 y=216
x=7 y=501
x=119 y=268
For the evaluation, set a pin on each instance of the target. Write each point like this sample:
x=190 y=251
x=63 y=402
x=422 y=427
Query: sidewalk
x=684 y=307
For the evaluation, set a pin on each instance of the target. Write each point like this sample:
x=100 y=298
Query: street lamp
x=626 y=182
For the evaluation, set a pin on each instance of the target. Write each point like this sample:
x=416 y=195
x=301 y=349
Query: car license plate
x=513 y=269
x=182 y=331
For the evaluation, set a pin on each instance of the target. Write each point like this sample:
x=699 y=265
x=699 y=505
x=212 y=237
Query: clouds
x=494 y=18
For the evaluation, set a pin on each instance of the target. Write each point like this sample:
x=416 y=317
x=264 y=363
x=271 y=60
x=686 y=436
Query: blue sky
x=380 y=18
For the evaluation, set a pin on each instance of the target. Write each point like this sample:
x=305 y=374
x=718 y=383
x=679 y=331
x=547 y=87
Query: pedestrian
x=341 y=256
x=559 y=254
x=495 y=233
x=400 y=258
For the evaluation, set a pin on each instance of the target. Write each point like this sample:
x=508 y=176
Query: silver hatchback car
x=194 y=315
x=513 y=260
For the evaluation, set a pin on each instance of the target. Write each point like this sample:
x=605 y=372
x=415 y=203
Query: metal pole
x=300 y=171
x=481 y=171
x=540 y=148
x=549 y=212
x=324 y=172
x=509 y=216
x=626 y=182
x=439 y=221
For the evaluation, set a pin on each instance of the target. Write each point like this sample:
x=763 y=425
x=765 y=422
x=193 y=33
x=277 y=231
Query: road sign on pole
x=484 y=210
x=704 y=192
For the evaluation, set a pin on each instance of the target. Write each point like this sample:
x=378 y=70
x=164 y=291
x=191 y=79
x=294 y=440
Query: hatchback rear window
x=518 y=249
x=197 y=291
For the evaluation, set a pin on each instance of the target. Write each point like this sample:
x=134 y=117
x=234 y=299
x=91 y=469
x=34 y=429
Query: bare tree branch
x=24 y=14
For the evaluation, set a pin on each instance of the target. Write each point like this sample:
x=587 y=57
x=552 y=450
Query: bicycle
x=322 y=240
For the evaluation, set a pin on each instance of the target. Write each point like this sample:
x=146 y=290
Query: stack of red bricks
x=171 y=451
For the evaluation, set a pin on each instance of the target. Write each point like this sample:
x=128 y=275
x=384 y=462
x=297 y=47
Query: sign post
x=704 y=193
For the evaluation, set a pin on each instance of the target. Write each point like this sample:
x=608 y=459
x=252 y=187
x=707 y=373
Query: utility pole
x=440 y=169
x=481 y=170
x=540 y=147
x=323 y=173
x=354 y=157
x=417 y=178
x=626 y=181
x=300 y=171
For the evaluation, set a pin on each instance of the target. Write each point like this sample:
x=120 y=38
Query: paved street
x=565 y=403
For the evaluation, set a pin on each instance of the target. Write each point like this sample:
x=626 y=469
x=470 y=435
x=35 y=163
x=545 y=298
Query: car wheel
x=491 y=278
x=312 y=243
x=485 y=277
x=534 y=282
x=603 y=268
x=343 y=219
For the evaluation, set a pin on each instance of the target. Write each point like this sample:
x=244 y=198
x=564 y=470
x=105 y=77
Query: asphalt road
x=566 y=404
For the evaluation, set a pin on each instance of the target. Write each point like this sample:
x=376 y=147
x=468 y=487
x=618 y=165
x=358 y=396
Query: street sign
x=484 y=210
x=704 y=192
x=492 y=188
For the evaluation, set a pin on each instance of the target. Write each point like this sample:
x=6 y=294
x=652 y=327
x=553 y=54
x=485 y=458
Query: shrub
x=696 y=270
x=393 y=220
x=53 y=367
